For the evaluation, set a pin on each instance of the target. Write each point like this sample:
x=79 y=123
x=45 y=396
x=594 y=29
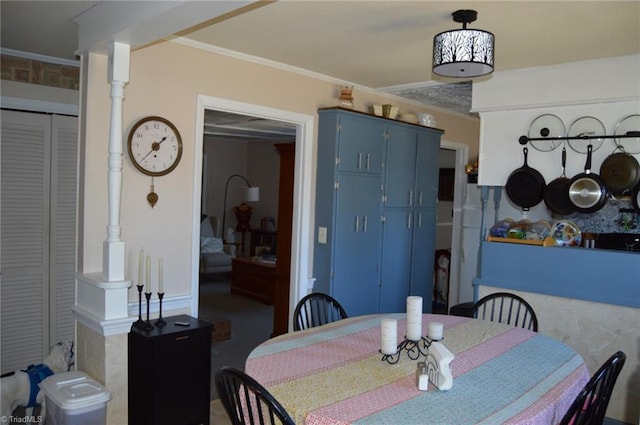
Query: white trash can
x=73 y=398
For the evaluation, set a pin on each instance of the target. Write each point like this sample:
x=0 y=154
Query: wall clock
x=155 y=149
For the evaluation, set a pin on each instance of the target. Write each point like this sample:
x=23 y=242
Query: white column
x=113 y=255
x=102 y=298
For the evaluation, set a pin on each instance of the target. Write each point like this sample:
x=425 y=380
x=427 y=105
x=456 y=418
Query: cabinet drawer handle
x=357 y=223
x=420 y=198
x=364 y=224
x=411 y=197
x=179 y=338
x=368 y=161
x=409 y=221
x=359 y=160
x=419 y=220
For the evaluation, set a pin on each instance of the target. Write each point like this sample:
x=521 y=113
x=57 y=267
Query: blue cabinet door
x=427 y=168
x=360 y=144
x=400 y=166
x=358 y=237
x=423 y=252
x=396 y=259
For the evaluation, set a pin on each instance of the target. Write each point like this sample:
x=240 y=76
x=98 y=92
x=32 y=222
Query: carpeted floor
x=251 y=323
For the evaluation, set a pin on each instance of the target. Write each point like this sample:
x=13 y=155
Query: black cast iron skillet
x=556 y=194
x=635 y=197
x=525 y=185
x=587 y=191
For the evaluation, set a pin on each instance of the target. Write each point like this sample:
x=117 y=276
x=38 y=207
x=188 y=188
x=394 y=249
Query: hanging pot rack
x=523 y=140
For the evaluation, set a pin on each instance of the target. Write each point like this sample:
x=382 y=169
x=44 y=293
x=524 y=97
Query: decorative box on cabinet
x=170 y=373
x=358 y=200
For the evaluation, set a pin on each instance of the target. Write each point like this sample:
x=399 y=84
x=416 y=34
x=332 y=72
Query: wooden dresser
x=253 y=279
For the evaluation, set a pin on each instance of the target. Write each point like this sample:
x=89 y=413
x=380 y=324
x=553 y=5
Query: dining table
x=336 y=374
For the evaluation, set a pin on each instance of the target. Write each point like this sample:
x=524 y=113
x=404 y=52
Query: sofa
x=215 y=256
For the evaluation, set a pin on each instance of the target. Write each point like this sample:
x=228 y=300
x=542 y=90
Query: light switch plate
x=322 y=235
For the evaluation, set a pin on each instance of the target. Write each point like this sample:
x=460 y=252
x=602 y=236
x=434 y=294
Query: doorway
x=455 y=155
x=302 y=191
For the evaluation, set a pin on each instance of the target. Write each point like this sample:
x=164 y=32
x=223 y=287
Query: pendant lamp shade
x=463 y=53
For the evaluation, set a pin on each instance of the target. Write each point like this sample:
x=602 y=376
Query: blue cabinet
x=411 y=187
x=356 y=266
x=374 y=198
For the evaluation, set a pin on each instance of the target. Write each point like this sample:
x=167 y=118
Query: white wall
x=508 y=102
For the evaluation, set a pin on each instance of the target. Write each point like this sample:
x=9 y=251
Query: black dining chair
x=508 y=308
x=317 y=309
x=246 y=401
x=591 y=403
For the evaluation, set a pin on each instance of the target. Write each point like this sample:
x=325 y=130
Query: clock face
x=155 y=146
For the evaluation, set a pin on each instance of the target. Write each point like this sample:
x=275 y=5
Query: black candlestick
x=139 y=323
x=160 y=322
x=147 y=324
x=414 y=350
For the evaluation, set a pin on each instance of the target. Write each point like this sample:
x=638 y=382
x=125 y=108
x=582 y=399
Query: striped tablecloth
x=333 y=374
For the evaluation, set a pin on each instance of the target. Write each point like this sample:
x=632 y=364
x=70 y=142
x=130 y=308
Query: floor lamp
x=250 y=194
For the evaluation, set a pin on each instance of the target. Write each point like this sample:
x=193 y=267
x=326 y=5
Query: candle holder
x=160 y=322
x=139 y=323
x=147 y=324
x=414 y=350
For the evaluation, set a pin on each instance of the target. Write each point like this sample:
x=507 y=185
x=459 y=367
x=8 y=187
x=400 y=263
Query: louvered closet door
x=64 y=172
x=37 y=240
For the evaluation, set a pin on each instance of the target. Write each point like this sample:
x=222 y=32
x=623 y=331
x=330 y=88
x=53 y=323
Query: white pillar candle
x=141 y=267
x=414 y=318
x=436 y=331
x=148 y=286
x=389 y=336
x=160 y=285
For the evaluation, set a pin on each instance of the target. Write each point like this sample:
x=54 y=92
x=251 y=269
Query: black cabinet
x=170 y=373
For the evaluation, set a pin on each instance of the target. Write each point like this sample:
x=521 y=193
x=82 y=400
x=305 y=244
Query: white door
x=38 y=154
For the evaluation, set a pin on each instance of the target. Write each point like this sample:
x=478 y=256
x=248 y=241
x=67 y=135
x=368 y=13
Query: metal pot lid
x=586 y=126
x=626 y=125
x=546 y=125
x=585 y=192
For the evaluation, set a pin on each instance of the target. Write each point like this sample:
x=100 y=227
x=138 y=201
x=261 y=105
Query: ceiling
x=376 y=45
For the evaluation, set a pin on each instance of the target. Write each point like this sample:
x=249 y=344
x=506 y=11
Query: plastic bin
x=73 y=398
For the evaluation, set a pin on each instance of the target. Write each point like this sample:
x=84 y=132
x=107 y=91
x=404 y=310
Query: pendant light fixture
x=463 y=53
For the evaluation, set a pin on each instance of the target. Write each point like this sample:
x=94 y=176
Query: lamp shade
x=463 y=52
x=251 y=194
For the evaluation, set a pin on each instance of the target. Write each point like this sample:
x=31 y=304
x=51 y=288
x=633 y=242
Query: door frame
x=303 y=191
x=462 y=157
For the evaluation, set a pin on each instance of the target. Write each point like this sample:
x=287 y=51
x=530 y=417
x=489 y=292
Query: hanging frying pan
x=587 y=190
x=556 y=194
x=620 y=172
x=525 y=185
x=635 y=197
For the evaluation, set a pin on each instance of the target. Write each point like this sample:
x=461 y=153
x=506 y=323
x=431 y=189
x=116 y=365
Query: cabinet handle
x=359 y=160
x=364 y=224
x=357 y=223
x=409 y=221
x=179 y=338
x=420 y=198
x=368 y=160
x=411 y=197
x=419 y=220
